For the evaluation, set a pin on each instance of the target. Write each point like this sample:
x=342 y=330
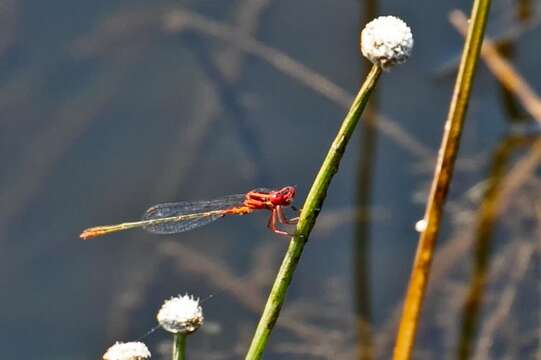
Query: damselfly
x=172 y=218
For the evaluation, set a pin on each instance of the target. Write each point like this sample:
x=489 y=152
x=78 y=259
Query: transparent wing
x=262 y=190
x=201 y=213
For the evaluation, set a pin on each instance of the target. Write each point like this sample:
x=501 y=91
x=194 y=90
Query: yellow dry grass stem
x=440 y=185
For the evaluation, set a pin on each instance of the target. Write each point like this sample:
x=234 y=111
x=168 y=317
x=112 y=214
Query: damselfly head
x=284 y=196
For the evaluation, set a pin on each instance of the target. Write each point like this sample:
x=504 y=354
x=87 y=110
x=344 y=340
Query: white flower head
x=181 y=314
x=127 y=351
x=386 y=41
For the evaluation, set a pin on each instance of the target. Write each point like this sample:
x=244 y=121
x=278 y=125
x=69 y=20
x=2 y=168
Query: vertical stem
x=179 y=347
x=309 y=213
x=361 y=243
x=440 y=185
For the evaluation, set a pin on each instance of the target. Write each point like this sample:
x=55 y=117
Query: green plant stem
x=179 y=347
x=440 y=185
x=309 y=213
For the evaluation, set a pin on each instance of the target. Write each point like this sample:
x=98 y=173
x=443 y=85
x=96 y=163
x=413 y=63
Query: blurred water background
x=109 y=107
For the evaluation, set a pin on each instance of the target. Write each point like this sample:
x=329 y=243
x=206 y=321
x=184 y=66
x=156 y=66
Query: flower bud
x=181 y=315
x=386 y=41
x=127 y=351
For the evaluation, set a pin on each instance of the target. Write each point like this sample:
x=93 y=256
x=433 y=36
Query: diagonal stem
x=440 y=185
x=309 y=213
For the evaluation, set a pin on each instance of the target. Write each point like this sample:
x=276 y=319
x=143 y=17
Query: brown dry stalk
x=502 y=69
x=442 y=178
x=179 y=19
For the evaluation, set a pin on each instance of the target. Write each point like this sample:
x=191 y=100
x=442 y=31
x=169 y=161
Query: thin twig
x=487 y=217
x=231 y=59
x=219 y=90
x=506 y=299
x=521 y=171
x=178 y=19
x=503 y=70
x=461 y=241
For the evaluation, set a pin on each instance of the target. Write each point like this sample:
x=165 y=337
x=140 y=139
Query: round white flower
x=127 y=351
x=181 y=314
x=386 y=41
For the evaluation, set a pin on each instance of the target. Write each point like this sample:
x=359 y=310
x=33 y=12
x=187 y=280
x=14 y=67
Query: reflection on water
x=361 y=243
x=487 y=216
x=109 y=107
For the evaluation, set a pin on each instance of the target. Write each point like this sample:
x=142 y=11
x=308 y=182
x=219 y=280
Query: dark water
x=108 y=107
